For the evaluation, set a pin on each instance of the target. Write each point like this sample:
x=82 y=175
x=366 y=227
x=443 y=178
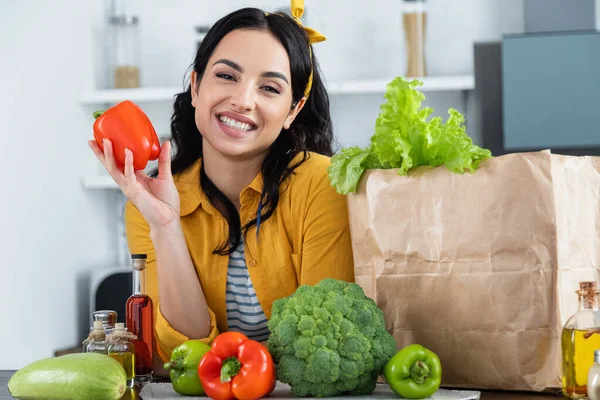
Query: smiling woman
x=243 y=213
x=244 y=105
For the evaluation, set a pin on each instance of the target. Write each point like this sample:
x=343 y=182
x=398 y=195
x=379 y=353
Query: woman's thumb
x=164 y=160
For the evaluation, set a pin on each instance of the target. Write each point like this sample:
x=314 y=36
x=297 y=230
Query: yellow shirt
x=306 y=239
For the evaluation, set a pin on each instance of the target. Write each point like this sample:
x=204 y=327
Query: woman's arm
x=182 y=299
x=327 y=247
x=172 y=283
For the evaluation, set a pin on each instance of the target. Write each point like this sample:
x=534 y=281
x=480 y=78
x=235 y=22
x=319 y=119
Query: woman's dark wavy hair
x=311 y=130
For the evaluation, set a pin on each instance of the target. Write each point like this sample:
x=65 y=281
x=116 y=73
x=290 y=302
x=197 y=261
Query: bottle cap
x=588 y=286
x=107 y=317
x=120 y=326
x=597 y=356
x=98 y=331
x=138 y=261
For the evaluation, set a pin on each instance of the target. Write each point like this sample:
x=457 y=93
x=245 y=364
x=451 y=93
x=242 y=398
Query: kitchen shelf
x=136 y=95
x=350 y=87
x=430 y=84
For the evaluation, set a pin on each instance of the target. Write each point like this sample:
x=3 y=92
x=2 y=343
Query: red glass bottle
x=140 y=321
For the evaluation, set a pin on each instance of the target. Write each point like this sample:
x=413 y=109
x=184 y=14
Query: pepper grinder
x=108 y=319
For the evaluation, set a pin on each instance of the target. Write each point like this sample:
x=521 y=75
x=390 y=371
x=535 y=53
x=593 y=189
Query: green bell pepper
x=414 y=372
x=184 y=367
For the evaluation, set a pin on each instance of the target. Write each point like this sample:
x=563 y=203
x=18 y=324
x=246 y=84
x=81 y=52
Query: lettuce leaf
x=405 y=139
x=346 y=168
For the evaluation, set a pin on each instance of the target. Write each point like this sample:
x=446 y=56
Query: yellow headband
x=297 y=7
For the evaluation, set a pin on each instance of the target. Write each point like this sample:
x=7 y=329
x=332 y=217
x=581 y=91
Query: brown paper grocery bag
x=481 y=268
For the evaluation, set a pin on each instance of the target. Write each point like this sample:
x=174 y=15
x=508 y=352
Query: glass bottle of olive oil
x=123 y=350
x=96 y=341
x=580 y=337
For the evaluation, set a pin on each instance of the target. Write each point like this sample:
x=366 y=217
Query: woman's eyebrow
x=272 y=74
x=238 y=67
x=230 y=63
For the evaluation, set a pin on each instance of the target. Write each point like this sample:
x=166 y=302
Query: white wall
x=53 y=232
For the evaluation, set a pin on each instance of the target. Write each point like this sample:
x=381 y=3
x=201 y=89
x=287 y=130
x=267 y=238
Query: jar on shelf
x=414 y=21
x=124 y=51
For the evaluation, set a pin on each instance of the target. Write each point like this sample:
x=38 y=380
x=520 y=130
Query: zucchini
x=91 y=376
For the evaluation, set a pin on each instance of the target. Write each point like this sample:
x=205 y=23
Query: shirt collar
x=192 y=196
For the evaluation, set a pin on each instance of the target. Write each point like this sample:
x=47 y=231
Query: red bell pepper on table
x=237 y=368
x=127 y=126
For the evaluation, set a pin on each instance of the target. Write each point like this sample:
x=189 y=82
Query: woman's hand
x=156 y=198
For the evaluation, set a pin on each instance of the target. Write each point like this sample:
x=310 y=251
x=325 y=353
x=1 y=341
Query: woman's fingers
x=111 y=165
x=97 y=151
x=129 y=177
x=164 y=161
x=128 y=170
x=109 y=158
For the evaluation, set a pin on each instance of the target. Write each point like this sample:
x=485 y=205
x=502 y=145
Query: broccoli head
x=329 y=339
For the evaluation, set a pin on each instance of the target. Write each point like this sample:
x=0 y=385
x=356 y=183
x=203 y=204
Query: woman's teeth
x=232 y=123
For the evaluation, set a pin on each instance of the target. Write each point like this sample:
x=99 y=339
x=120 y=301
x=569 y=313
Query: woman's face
x=245 y=96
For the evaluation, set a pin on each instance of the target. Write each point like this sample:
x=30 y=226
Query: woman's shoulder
x=314 y=165
x=312 y=173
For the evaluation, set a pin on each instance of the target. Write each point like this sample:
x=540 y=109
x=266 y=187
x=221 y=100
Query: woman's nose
x=242 y=99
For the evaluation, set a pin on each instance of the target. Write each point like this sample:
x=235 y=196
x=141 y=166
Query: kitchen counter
x=485 y=395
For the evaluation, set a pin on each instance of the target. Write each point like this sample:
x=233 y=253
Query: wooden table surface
x=485 y=395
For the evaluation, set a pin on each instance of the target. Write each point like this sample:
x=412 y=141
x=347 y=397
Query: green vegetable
x=414 y=372
x=80 y=376
x=404 y=139
x=184 y=367
x=329 y=339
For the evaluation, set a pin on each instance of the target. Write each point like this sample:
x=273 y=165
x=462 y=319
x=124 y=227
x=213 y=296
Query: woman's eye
x=225 y=76
x=271 y=89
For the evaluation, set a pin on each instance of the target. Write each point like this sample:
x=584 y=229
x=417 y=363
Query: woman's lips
x=234 y=132
x=237 y=117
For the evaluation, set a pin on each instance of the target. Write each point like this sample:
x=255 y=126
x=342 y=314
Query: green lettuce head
x=405 y=139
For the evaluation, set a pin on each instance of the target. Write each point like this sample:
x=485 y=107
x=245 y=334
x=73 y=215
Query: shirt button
x=253 y=263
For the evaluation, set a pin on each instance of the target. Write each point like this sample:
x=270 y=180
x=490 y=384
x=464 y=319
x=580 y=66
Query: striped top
x=244 y=313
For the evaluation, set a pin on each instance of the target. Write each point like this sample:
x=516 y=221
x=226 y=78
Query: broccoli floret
x=329 y=339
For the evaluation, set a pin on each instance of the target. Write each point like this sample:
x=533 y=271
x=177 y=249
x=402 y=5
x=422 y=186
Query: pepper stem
x=98 y=113
x=231 y=367
x=176 y=364
x=419 y=371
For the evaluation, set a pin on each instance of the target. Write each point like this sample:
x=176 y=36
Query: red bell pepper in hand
x=127 y=126
x=237 y=368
